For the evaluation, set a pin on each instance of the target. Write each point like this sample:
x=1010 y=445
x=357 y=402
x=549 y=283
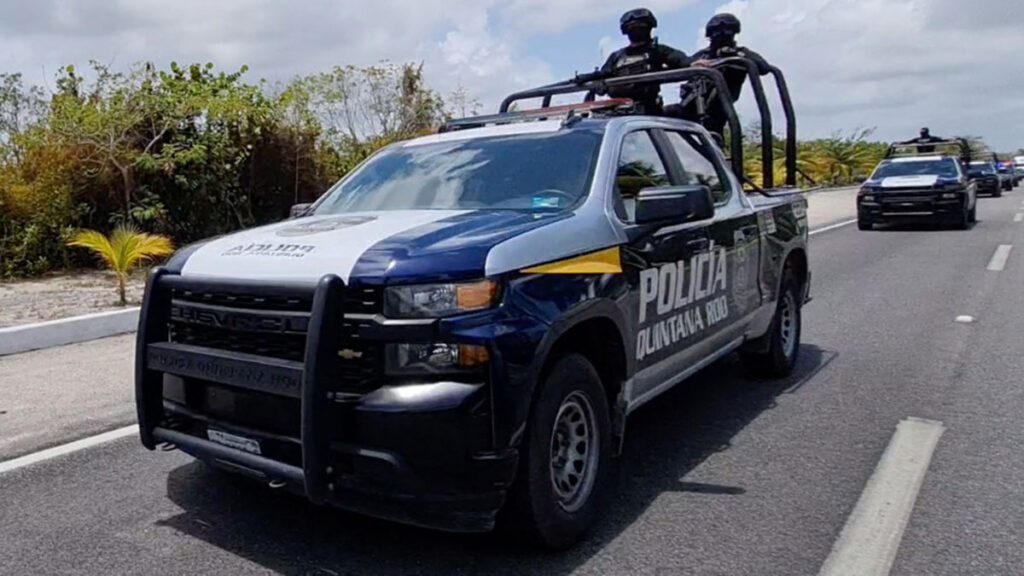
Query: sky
x=890 y=65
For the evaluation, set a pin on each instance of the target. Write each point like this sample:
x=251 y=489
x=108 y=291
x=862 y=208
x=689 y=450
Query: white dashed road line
x=68 y=448
x=868 y=543
x=1018 y=217
x=832 y=227
x=998 y=261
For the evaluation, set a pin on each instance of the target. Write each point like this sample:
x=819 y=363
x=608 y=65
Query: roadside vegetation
x=191 y=151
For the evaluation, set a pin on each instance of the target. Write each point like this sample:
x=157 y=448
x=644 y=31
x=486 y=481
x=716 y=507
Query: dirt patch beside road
x=63 y=296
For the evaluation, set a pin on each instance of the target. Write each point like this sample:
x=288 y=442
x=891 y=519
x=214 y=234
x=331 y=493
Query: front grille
x=281 y=346
x=247 y=301
x=364 y=300
x=359 y=362
x=917 y=198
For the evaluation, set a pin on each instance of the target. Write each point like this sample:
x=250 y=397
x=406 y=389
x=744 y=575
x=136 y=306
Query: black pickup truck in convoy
x=455 y=333
x=934 y=186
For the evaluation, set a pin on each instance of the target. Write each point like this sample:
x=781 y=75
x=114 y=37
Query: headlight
x=434 y=358
x=438 y=300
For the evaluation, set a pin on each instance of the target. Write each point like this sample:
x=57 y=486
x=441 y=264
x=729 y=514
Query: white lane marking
x=965 y=319
x=998 y=261
x=832 y=227
x=64 y=449
x=1018 y=217
x=868 y=543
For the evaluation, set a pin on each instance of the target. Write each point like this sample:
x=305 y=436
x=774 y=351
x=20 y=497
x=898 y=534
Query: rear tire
x=783 y=337
x=564 y=459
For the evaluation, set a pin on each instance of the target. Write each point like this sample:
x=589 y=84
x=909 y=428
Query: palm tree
x=841 y=157
x=125 y=248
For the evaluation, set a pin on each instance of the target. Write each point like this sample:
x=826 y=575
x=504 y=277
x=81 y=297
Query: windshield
x=945 y=168
x=519 y=172
x=981 y=169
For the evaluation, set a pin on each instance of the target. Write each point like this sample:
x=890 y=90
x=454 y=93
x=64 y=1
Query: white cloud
x=894 y=64
x=546 y=16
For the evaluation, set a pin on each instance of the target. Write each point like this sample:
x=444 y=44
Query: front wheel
x=865 y=225
x=973 y=215
x=565 y=457
x=780 y=357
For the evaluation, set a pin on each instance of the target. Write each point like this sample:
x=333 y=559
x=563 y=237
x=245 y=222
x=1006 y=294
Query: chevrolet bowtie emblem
x=349 y=354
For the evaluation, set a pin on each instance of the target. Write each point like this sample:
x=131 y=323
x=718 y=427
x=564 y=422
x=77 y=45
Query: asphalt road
x=721 y=476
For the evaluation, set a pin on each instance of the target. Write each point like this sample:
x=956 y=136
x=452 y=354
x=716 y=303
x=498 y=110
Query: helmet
x=723 y=25
x=637 y=17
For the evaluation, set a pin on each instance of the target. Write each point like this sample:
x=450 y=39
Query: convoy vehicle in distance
x=454 y=335
x=928 y=188
x=986 y=177
x=1007 y=176
x=1018 y=166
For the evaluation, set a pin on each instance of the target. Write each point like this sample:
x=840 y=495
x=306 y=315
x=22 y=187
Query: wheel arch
x=599 y=334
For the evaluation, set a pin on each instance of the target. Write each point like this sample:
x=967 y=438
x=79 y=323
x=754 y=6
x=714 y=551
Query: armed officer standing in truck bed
x=644 y=54
x=721 y=30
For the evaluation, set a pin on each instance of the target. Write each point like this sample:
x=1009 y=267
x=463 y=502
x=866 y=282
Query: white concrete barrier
x=26 y=337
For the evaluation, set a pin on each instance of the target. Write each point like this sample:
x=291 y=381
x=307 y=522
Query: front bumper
x=989 y=186
x=420 y=453
x=902 y=205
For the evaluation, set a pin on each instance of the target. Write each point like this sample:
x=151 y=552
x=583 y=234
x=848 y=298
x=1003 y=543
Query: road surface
x=912 y=343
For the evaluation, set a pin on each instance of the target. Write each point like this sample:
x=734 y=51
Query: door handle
x=698 y=244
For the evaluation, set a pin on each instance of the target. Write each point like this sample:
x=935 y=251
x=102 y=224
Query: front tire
x=565 y=457
x=783 y=337
x=865 y=225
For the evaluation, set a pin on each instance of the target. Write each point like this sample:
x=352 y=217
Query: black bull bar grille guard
x=307 y=381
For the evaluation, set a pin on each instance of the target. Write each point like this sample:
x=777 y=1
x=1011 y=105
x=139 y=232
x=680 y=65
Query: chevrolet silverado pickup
x=454 y=335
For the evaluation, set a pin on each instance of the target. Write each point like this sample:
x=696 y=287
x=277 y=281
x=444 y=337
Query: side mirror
x=298 y=210
x=674 y=204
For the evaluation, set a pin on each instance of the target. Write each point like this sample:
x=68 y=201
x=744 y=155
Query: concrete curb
x=27 y=337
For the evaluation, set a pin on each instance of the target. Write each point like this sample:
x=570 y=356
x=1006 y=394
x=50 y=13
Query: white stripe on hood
x=305 y=248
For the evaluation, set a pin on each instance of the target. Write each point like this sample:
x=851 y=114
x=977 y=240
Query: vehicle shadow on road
x=666 y=439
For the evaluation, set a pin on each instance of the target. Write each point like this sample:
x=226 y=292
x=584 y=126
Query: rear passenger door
x=734 y=239
x=667 y=267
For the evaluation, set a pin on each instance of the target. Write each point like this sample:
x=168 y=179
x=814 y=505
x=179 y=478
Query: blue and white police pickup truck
x=455 y=333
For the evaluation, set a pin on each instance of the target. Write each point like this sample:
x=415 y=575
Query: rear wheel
x=565 y=457
x=779 y=359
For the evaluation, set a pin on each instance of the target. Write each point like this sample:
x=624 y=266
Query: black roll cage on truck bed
x=592 y=85
x=963 y=149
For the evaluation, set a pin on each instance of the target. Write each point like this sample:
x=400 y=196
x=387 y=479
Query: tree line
x=190 y=152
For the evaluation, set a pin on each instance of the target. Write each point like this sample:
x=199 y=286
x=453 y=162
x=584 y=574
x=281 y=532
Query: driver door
x=666 y=266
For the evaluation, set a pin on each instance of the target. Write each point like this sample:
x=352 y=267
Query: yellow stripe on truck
x=607 y=261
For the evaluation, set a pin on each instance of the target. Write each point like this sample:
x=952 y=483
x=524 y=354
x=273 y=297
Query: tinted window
x=698 y=169
x=945 y=168
x=639 y=167
x=519 y=172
